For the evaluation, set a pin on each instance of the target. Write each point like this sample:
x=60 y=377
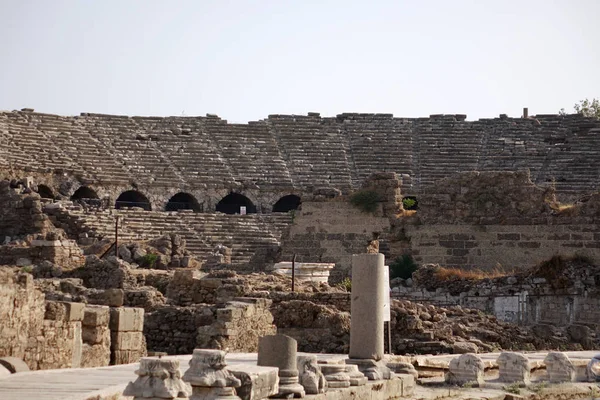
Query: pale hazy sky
x=246 y=59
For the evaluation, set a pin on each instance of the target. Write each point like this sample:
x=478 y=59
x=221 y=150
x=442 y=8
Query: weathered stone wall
x=50 y=334
x=508 y=246
x=235 y=325
x=21 y=312
x=20 y=214
x=330 y=232
x=174 y=329
x=561 y=293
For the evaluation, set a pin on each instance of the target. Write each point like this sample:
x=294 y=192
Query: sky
x=246 y=59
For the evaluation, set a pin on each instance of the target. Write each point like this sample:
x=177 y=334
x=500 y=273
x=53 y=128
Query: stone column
x=158 y=379
x=209 y=377
x=280 y=351
x=366 y=328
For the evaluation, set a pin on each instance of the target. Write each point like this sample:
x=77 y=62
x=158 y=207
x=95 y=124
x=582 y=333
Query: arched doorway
x=183 y=201
x=84 y=193
x=231 y=204
x=287 y=203
x=45 y=192
x=133 y=198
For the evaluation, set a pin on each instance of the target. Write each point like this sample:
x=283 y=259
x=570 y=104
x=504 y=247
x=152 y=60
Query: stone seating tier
x=245 y=235
x=301 y=152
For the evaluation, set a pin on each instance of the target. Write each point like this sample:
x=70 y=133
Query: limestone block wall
x=330 y=232
x=235 y=325
x=127 y=341
x=518 y=299
x=96 y=337
x=21 y=312
x=508 y=246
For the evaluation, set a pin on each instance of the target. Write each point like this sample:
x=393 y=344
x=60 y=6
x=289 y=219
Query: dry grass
x=567 y=209
x=450 y=274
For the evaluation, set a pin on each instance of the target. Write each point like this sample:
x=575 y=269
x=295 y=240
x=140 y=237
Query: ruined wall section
x=20 y=213
x=486 y=220
x=330 y=232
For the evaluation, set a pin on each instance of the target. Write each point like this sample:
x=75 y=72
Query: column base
x=373 y=370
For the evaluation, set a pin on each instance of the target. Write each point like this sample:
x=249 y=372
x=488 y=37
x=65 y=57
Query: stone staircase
x=244 y=234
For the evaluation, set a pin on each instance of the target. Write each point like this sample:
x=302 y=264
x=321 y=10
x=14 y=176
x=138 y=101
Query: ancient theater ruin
x=172 y=240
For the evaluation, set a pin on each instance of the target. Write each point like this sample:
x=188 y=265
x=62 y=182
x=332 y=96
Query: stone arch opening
x=133 y=198
x=410 y=203
x=287 y=203
x=231 y=204
x=45 y=192
x=183 y=201
x=84 y=193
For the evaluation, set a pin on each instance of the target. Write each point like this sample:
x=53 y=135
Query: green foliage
x=365 y=200
x=589 y=108
x=403 y=267
x=149 y=260
x=346 y=284
x=408 y=203
x=27 y=268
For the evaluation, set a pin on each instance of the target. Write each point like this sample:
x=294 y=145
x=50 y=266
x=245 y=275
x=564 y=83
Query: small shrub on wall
x=403 y=267
x=365 y=200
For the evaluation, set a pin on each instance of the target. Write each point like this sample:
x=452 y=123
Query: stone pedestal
x=357 y=378
x=559 y=368
x=209 y=377
x=158 y=379
x=467 y=368
x=514 y=367
x=310 y=375
x=336 y=376
x=280 y=351
x=369 y=291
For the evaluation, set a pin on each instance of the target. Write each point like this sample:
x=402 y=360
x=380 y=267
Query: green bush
x=365 y=200
x=149 y=260
x=403 y=267
x=409 y=203
x=346 y=284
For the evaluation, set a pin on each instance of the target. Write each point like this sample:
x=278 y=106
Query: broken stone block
x=467 y=368
x=559 y=367
x=311 y=378
x=64 y=311
x=158 y=379
x=209 y=377
x=514 y=367
x=336 y=375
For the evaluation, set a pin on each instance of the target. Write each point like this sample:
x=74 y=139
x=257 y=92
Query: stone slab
x=257 y=382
